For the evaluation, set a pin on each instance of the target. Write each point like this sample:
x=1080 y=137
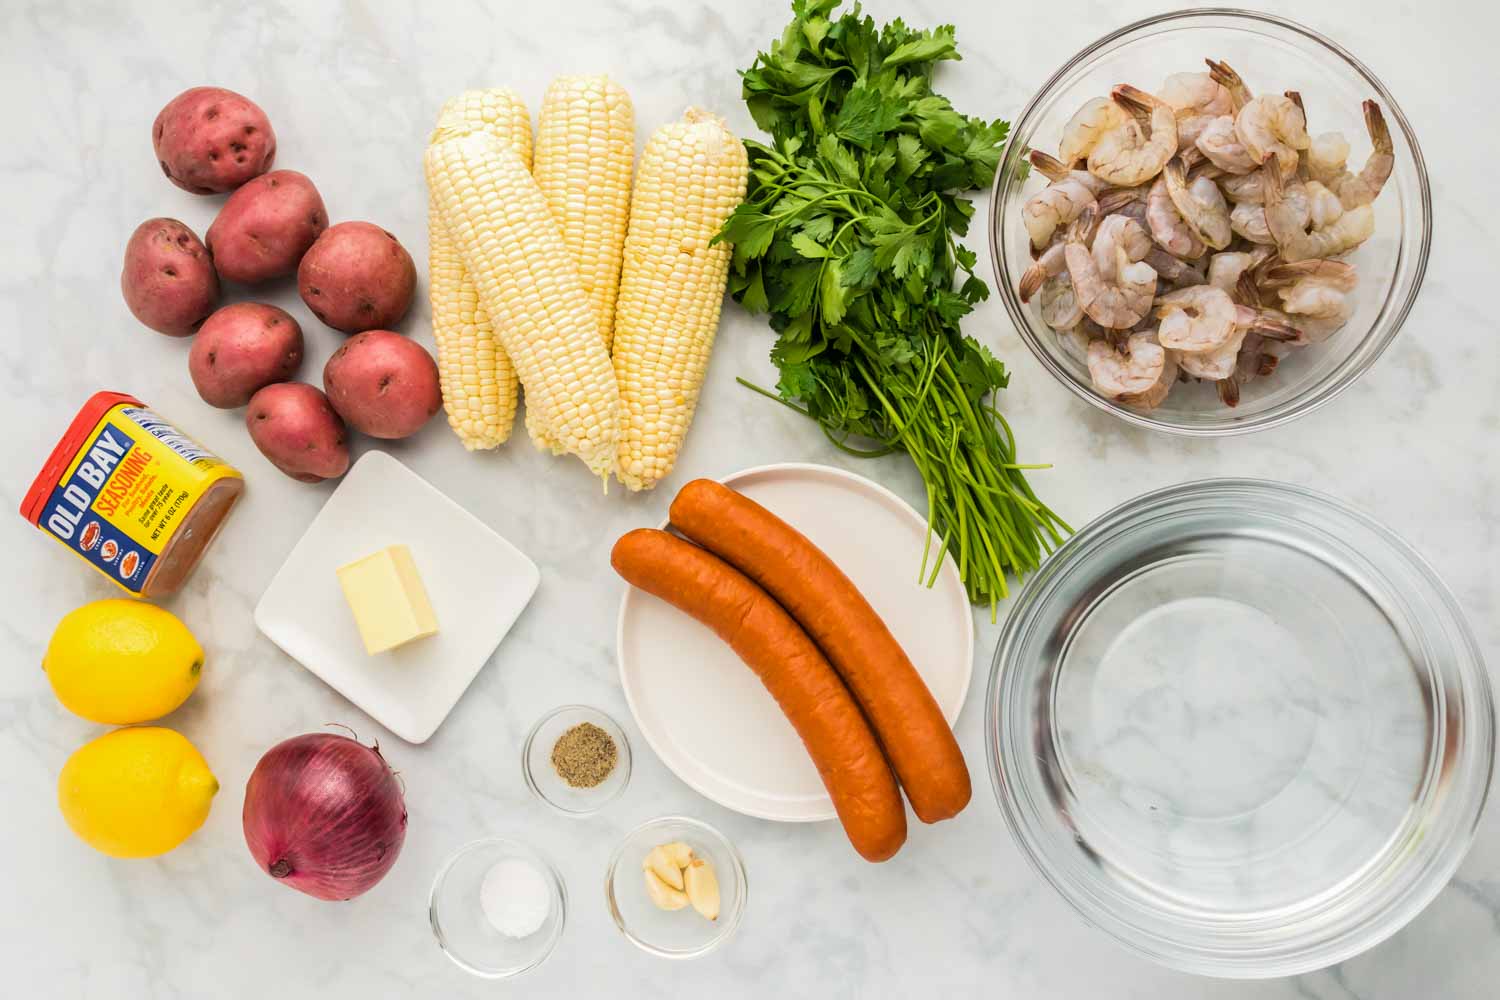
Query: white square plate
x=477 y=581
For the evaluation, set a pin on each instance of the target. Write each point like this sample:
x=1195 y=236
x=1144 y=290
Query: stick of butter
x=388 y=600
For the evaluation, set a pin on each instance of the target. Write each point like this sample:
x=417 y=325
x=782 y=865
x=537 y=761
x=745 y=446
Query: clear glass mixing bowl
x=1240 y=727
x=1274 y=54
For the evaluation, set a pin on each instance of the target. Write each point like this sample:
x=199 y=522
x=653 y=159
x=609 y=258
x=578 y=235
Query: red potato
x=168 y=280
x=357 y=277
x=266 y=226
x=297 y=430
x=383 y=384
x=241 y=349
x=209 y=139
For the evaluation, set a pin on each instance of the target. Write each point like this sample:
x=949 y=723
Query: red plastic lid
x=62 y=456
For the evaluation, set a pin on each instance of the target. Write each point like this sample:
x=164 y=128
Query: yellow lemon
x=136 y=793
x=119 y=662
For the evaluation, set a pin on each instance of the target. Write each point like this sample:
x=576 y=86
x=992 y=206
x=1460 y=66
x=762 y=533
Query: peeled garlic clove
x=678 y=853
x=664 y=896
x=703 y=888
x=668 y=870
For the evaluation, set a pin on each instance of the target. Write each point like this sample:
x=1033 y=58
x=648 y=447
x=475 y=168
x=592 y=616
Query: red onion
x=324 y=814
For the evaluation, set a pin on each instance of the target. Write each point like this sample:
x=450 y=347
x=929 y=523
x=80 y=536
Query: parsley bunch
x=847 y=237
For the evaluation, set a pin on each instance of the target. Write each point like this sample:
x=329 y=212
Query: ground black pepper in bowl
x=584 y=755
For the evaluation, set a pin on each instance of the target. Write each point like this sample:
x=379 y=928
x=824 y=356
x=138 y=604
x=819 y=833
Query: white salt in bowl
x=465 y=933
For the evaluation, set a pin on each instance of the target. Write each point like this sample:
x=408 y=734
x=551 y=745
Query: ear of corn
x=585 y=146
x=478 y=379
x=529 y=286
x=691 y=176
x=584 y=150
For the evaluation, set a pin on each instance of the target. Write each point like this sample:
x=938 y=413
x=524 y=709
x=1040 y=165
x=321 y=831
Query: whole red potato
x=168 y=280
x=266 y=226
x=242 y=348
x=297 y=430
x=383 y=384
x=357 y=276
x=209 y=139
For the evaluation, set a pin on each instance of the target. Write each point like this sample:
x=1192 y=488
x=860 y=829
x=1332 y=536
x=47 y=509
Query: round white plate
x=706 y=714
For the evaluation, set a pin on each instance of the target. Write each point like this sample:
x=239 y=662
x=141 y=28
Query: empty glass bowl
x=458 y=919
x=1241 y=727
x=543 y=778
x=674 y=933
x=1272 y=54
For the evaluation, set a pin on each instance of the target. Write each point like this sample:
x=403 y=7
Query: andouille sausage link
x=825 y=602
x=794 y=671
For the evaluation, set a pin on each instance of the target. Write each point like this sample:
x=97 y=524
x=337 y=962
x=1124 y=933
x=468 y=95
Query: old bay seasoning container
x=131 y=494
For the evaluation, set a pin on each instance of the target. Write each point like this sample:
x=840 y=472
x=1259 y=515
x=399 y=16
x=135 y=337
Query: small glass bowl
x=549 y=786
x=1241 y=727
x=681 y=933
x=1271 y=53
x=459 y=922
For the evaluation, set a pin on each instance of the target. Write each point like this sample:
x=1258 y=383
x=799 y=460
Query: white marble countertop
x=352 y=89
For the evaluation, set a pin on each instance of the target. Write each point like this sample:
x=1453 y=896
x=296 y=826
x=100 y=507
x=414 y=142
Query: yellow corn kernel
x=690 y=177
x=478 y=379
x=498 y=218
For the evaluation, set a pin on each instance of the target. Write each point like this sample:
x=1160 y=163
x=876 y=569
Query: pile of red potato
x=355 y=277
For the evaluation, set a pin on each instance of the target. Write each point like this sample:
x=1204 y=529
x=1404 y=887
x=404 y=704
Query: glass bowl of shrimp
x=1225 y=253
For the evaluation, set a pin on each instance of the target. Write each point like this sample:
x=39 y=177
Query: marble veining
x=351 y=88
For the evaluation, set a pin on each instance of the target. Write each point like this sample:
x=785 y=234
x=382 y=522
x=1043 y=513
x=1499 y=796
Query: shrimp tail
x=1031 y=281
x=1380 y=132
x=1227 y=78
x=1050 y=167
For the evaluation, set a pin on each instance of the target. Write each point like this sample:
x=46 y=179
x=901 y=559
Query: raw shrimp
x=1220 y=363
x=1314 y=298
x=1337 y=274
x=1087 y=127
x=1317 y=310
x=1196 y=94
x=1201 y=318
x=1243 y=189
x=1115 y=304
x=1326 y=157
x=1059 y=303
x=1058 y=204
x=1224 y=269
x=1116 y=233
x=1239 y=94
x=1362 y=188
x=1200 y=204
x=1167 y=228
x=1220 y=143
x=1196 y=100
x=1139 y=375
x=1051 y=263
x=1249 y=220
x=1287 y=221
x=1216 y=364
x=1125 y=156
x=1272 y=125
x=1324 y=207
